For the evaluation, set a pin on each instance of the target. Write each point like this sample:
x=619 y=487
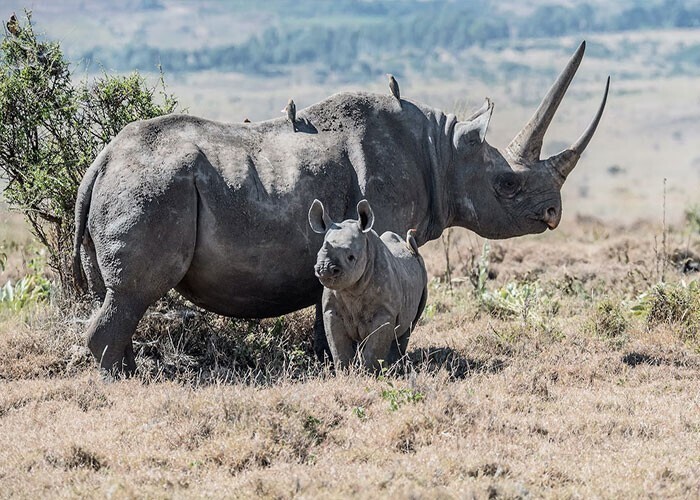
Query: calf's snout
x=326 y=270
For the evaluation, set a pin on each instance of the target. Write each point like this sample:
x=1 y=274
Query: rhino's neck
x=438 y=140
x=466 y=190
x=381 y=136
x=463 y=189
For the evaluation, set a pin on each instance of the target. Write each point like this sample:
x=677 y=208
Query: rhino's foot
x=110 y=331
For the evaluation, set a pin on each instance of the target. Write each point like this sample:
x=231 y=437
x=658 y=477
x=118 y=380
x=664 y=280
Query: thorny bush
x=52 y=128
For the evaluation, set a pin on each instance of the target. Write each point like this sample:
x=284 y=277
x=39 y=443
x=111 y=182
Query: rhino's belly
x=237 y=296
x=258 y=303
x=255 y=252
x=251 y=279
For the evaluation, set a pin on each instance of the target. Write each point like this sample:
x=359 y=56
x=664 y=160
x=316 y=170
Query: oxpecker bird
x=291 y=110
x=394 y=87
x=13 y=25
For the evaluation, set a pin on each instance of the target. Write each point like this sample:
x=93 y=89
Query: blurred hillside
x=347 y=40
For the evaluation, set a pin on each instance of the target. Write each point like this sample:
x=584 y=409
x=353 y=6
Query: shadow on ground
x=434 y=359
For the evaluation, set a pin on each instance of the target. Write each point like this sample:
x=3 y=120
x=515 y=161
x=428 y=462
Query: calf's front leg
x=339 y=342
x=377 y=344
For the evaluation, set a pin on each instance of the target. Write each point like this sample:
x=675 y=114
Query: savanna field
x=558 y=365
x=554 y=366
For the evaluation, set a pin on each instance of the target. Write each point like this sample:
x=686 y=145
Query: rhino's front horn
x=563 y=163
x=525 y=148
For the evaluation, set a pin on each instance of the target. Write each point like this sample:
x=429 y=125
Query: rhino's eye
x=508 y=185
x=351 y=258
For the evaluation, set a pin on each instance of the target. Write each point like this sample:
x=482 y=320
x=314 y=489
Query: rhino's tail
x=421 y=306
x=413 y=246
x=82 y=208
x=411 y=241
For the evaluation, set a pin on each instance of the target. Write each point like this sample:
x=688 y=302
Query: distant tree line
x=416 y=28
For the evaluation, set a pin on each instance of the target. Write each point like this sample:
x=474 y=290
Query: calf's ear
x=318 y=218
x=365 y=216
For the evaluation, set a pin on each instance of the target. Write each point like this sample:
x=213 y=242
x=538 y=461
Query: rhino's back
x=254 y=251
x=400 y=248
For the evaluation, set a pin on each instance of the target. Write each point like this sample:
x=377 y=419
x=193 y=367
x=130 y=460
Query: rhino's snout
x=552 y=217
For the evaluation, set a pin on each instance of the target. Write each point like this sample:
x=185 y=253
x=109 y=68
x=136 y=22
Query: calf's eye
x=351 y=258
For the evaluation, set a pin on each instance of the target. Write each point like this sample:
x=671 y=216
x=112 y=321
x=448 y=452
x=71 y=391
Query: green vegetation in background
x=51 y=129
x=350 y=38
x=32 y=288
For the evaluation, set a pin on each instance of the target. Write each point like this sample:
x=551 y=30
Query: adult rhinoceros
x=218 y=211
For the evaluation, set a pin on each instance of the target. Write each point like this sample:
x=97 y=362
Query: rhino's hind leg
x=144 y=244
x=110 y=330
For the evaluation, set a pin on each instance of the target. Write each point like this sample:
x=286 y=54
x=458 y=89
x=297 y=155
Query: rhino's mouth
x=328 y=274
x=331 y=283
x=542 y=225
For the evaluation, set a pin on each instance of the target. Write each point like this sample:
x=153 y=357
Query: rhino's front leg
x=321 y=348
x=398 y=347
x=376 y=346
x=340 y=344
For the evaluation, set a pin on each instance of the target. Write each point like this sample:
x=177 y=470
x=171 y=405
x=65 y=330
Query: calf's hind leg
x=375 y=348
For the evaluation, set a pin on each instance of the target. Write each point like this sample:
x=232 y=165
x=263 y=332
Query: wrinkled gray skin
x=218 y=211
x=375 y=287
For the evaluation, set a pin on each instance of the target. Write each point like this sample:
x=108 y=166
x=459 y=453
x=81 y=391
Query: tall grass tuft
x=676 y=304
x=608 y=320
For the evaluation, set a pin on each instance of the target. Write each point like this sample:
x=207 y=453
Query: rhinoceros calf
x=374 y=287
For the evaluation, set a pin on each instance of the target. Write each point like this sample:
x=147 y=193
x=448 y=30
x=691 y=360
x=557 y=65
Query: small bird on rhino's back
x=13 y=25
x=291 y=110
x=394 y=86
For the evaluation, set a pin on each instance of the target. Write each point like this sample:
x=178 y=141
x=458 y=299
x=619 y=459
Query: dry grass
x=556 y=367
x=570 y=395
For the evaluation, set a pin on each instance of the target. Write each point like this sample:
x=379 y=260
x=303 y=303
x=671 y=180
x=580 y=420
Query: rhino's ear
x=365 y=216
x=318 y=218
x=472 y=132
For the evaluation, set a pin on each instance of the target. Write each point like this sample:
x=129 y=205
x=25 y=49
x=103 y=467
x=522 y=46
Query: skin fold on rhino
x=218 y=211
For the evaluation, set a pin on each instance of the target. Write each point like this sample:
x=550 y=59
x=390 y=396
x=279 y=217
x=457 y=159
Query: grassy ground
x=555 y=367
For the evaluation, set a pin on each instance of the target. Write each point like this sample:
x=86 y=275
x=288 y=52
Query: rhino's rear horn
x=525 y=148
x=483 y=109
x=563 y=163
